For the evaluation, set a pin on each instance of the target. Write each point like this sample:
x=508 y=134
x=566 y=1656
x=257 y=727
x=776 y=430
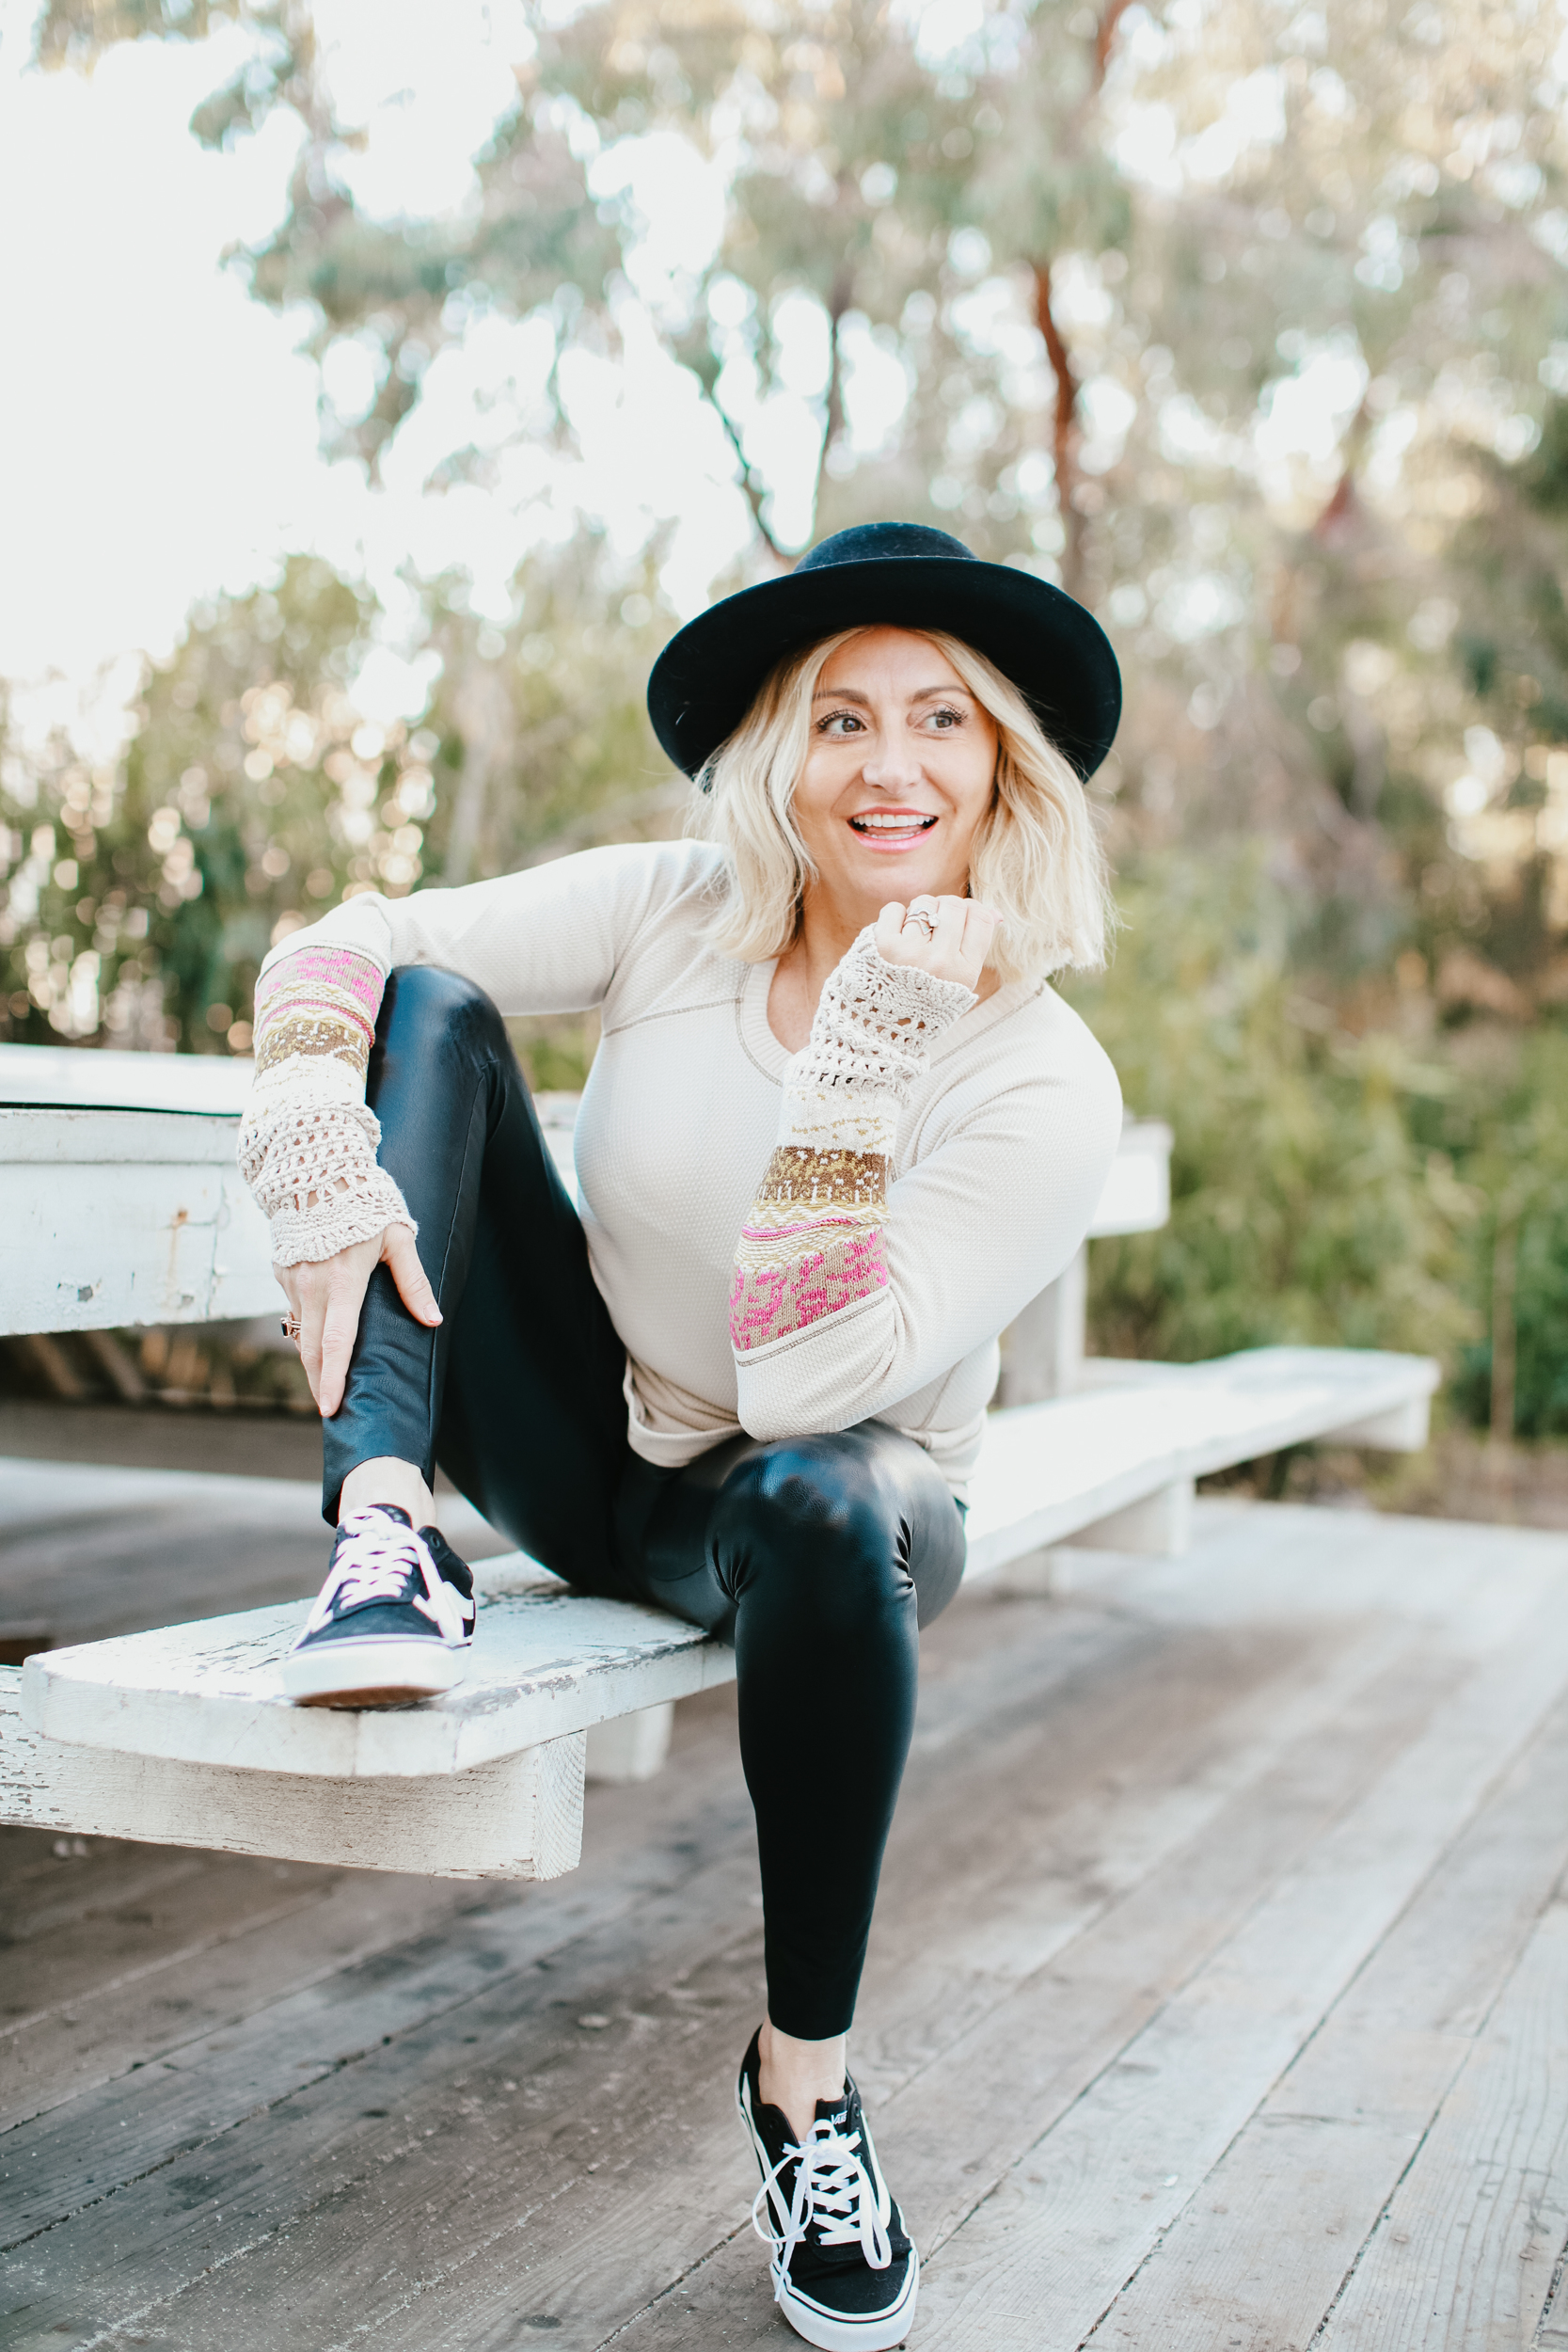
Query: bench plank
x=547 y=1662
x=1051 y=1470
x=520 y=1817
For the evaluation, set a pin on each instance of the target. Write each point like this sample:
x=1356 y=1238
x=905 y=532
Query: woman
x=838 y=1131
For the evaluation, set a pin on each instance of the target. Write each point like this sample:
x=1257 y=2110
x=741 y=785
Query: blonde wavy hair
x=1037 y=854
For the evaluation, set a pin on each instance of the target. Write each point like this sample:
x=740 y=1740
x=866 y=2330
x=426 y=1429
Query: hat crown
x=884 y=543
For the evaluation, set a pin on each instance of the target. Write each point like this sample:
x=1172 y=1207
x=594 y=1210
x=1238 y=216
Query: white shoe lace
x=833 y=2193
x=375 y=1558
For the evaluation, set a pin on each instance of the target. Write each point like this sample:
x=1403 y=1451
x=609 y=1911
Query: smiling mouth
x=893 y=824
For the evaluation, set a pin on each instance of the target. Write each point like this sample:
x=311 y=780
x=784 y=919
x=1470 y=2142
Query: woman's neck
x=824 y=937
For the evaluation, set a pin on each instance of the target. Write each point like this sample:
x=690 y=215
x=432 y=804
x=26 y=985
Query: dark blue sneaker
x=393 y=1621
x=845 y=2273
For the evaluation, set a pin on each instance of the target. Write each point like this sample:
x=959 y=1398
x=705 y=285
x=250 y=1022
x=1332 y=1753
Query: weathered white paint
x=518 y=1817
x=116 y=1217
x=545 y=1664
x=72 y=1078
x=1049 y=1471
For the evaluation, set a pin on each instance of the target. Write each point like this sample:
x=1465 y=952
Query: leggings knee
x=427 y=1010
x=809 y=1521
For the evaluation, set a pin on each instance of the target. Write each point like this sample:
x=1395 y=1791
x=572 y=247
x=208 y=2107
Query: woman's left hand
x=952 y=942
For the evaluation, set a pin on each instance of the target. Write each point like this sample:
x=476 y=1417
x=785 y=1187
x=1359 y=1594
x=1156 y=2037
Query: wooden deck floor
x=1218 y=2002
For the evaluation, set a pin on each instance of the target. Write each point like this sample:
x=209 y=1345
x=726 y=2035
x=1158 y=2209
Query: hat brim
x=1055 y=652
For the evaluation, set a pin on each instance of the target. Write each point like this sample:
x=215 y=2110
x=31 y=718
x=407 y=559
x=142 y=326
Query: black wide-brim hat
x=904 y=576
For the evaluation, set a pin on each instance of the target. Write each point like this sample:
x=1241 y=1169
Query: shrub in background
x=1304 y=1206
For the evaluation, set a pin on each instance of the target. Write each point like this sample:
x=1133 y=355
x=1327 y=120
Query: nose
x=893 y=761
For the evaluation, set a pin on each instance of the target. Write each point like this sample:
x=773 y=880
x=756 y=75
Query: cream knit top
x=786 y=1245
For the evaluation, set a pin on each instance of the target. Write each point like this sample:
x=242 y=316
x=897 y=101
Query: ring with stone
x=918 y=915
x=290 y=1329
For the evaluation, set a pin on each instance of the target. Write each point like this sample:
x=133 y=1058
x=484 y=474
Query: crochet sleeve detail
x=307 y=1142
x=813 y=1241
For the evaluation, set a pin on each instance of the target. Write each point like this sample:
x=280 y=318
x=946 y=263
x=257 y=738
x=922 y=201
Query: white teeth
x=892 y=825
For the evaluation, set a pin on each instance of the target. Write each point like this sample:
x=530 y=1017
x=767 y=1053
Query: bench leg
x=631 y=1747
x=518 y=1818
x=1043 y=1354
x=1161 y=1523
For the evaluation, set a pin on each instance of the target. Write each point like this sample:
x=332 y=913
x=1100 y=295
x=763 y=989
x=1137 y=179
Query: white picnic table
x=120 y=1203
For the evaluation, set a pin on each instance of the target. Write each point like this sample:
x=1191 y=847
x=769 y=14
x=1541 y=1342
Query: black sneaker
x=844 y=2273
x=392 y=1621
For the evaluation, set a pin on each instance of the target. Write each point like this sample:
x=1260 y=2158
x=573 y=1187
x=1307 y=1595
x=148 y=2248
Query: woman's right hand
x=327 y=1299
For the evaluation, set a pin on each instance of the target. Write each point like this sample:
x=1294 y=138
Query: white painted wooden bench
x=182 y=1735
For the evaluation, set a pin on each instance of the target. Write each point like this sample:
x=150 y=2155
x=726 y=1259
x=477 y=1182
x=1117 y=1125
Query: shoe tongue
x=383 y=1511
x=835 y=2111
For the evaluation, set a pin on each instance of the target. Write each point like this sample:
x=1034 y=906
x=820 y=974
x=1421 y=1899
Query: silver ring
x=918 y=915
x=291 y=1329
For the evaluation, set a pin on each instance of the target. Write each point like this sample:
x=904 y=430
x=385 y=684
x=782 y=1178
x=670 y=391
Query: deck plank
x=1067 y=1758
x=223 y=1937
x=1113 y=1790
x=961 y=2120
x=1051 y=2248
x=1464 y=2257
x=1266 y=2244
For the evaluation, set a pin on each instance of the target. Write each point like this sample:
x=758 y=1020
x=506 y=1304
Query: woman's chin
x=901 y=874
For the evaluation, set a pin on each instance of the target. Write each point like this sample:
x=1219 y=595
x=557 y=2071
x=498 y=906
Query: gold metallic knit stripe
x=800 y=1177
x=312 y=1035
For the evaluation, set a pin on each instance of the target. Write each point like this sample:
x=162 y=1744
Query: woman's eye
x=839 y=722
x=947 y=720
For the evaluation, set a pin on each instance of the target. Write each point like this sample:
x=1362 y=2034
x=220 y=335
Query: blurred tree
x=1233 y=318
x=254 y=791
x=145 y=891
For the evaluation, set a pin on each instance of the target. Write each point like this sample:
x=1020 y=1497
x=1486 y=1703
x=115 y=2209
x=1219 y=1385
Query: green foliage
x=146 y=891
x=1506 y=1126
x=1302 y=1208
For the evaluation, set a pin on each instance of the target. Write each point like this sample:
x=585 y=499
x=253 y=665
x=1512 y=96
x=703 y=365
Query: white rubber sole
x=879 y=2331
x=382 y=1670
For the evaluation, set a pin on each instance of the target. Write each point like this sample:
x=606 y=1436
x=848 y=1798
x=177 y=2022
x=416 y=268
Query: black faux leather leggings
x=816 y=1556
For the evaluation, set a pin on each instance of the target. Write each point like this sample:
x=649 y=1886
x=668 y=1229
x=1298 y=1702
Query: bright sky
x=158 y=428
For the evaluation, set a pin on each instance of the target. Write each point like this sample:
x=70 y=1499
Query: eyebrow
x=853 y=694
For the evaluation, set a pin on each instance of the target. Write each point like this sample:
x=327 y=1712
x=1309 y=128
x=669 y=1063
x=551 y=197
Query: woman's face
x=900 y=772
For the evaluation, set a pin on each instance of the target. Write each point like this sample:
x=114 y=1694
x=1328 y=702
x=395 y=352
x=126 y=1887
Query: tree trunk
x=1505 y=1260
x=1066 y=432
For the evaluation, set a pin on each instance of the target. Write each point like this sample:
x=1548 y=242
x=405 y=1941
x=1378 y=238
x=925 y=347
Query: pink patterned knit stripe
x=317 y=1005
x=336 y=974
x=811 y=1243
x=769 y=1302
